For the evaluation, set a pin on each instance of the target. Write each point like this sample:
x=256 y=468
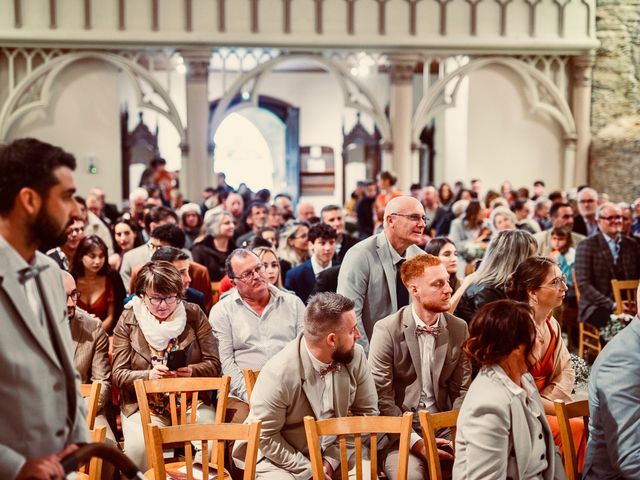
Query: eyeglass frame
x=413 y=217
x=557 y=283
x=259 y=269
x=612 y=218
x=157 y=301
x=74 y=293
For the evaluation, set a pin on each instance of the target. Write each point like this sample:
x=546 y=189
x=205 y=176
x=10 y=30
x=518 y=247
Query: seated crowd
x=444 y=299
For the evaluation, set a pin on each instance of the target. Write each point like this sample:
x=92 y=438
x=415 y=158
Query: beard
x=47 y=232
x=343 y=356
x=437 y=307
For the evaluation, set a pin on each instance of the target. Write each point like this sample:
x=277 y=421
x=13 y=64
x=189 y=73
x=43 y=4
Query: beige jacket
x=560 y=384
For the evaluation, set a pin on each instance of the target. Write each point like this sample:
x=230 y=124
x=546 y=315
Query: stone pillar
x=197 y=169
x=401 y=113
x=581 y=106
x=569 y=172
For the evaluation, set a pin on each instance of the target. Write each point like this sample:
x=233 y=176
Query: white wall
x=82 y=118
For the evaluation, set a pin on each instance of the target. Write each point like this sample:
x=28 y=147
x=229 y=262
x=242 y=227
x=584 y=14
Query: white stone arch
x=541 y=93
x=39 y=83
x=356 y=95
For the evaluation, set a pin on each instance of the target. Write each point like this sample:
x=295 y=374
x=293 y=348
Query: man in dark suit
x=601 y=258
x=416 y=358
x=586 y=223
x=332 y=216
x=322 y=243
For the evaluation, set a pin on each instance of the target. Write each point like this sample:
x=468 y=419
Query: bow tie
x=334 y=367
x=435 y=331
x=30 y=272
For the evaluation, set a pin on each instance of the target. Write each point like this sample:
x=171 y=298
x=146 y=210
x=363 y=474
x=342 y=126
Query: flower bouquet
x=615 y=324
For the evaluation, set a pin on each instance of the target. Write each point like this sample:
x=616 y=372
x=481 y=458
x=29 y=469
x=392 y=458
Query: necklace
x=540 y=333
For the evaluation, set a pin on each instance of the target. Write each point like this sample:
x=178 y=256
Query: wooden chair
x=91 y=393
x=588 y=335
x=93 y=471
x=356 y=427
x=218 y=434
x=430 y=424
x=625 y=291
x=215 y=292
x=250 y=377
x=564 y=412
x=180 y=388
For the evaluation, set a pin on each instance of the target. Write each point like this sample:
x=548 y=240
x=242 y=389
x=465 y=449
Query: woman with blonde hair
x=294 y=245
x=269 y=257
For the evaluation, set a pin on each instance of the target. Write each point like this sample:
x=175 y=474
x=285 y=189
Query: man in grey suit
x=370 y=272
x=322 y=373
x=417 y=360
x=42 y=413
x=613 y=449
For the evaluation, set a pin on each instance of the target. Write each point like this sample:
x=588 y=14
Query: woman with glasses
x=212 y=251
x=539 y=282
x=294 y=245
x=155 y=324
x=101 y=289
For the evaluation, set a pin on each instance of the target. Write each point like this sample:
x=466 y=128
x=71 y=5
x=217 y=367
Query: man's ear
x=29 y=200
x=331 y=340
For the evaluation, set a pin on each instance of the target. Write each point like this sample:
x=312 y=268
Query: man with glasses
x=370 y=272
x=63 y=255
x=586 y=223
x=601 y=258
x=254 y=322
x=561 y=216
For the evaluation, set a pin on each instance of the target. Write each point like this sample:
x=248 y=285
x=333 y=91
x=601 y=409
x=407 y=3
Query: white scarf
x=155 y=332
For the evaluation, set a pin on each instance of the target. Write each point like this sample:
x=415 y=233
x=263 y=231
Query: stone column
x=581 y=106
x=197 y=168
x=401 y=112
x=569 y=172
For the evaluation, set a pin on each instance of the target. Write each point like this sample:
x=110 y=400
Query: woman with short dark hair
x=502 y=431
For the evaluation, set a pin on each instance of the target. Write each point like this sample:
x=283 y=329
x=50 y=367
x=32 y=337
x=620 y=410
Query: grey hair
x=602 y=207
x=505 y=251
x=505 y=212
x=212 y=221
x=587 y=190
x=323 y=314
x=240 y=253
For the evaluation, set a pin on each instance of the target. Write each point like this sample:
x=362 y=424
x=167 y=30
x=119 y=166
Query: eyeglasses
x=153 y=247
x=157 y=301
x=557 y=283
x=303 y=236
x=249 y=274
x=612 y=218
x=77 y=231
x=413 y=217
x=74 y=295
x=587 y=200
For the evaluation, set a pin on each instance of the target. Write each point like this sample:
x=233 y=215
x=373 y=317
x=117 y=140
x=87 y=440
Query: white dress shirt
x=317 y=268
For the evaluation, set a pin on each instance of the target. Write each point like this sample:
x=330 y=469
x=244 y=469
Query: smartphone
x=176 y=359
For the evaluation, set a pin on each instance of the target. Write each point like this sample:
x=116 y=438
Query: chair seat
x=81 y=476
x=174 y=473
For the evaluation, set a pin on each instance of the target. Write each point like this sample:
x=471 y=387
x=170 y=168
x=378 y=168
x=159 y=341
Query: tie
x=334 y=367
x=402 y=295
x=434 y=331
x=30 y=272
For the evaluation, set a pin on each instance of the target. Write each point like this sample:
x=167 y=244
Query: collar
x=14 y=259
x=610 y=240
x=275 y=294
x=318 y=366
x=420 y=323
x=523 y=392
x=317 y=268
x=395 y=256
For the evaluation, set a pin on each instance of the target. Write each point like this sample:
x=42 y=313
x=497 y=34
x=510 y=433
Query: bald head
x=404 y=222
x=71 y=291
x=305 y=211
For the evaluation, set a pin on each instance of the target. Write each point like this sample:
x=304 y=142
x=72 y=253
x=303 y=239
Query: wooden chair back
x=564 y=412
x=91 y=393
x=93 y=471
x=217 y=434
x=250 y=377
x=588 y=335
x=180 y=388
x=356 y=427
x=625 y=292
x=430 y=424
x=215 y=292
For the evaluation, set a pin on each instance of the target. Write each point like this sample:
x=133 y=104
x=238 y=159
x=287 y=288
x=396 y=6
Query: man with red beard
x=417 y=361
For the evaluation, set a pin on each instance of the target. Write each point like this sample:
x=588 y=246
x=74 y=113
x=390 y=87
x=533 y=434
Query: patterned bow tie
x=334 y=367
x=435 y=331
x=30 y=272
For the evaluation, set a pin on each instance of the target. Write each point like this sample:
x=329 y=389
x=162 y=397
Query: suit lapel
x=310 y=379
x=409 y=331
x=439 y=354
x=15 y=294
x=382 y=250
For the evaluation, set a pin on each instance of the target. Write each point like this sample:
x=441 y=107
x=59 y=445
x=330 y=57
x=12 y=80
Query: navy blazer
x=301 y=280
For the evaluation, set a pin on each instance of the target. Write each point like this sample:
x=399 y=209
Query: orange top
x=543 y=369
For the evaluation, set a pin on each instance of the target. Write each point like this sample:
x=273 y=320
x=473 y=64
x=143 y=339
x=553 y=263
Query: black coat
x=477 y=295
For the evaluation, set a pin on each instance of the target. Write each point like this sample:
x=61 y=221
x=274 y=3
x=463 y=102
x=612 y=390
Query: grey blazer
x=613 y=449
x=493 y=439
x=131 y=260
x=41 y=409
x=368 y=277
x=285 y=393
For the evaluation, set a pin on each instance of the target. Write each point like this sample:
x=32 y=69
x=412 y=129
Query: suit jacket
x=131 y=259
x=613 y=449
x=327 y=280
x=579 y=225
x=41 y=409
x=493 y=438
x=396 y=364
x=347 y=242
x=368 y=278
x=91 y=353
x=132 y=357
x=595 y=270
x=285 y=393
x=544 y=241
x=301 y=280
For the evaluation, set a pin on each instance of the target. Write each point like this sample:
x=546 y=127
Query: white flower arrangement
x=616 y=323
x=582 y=371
